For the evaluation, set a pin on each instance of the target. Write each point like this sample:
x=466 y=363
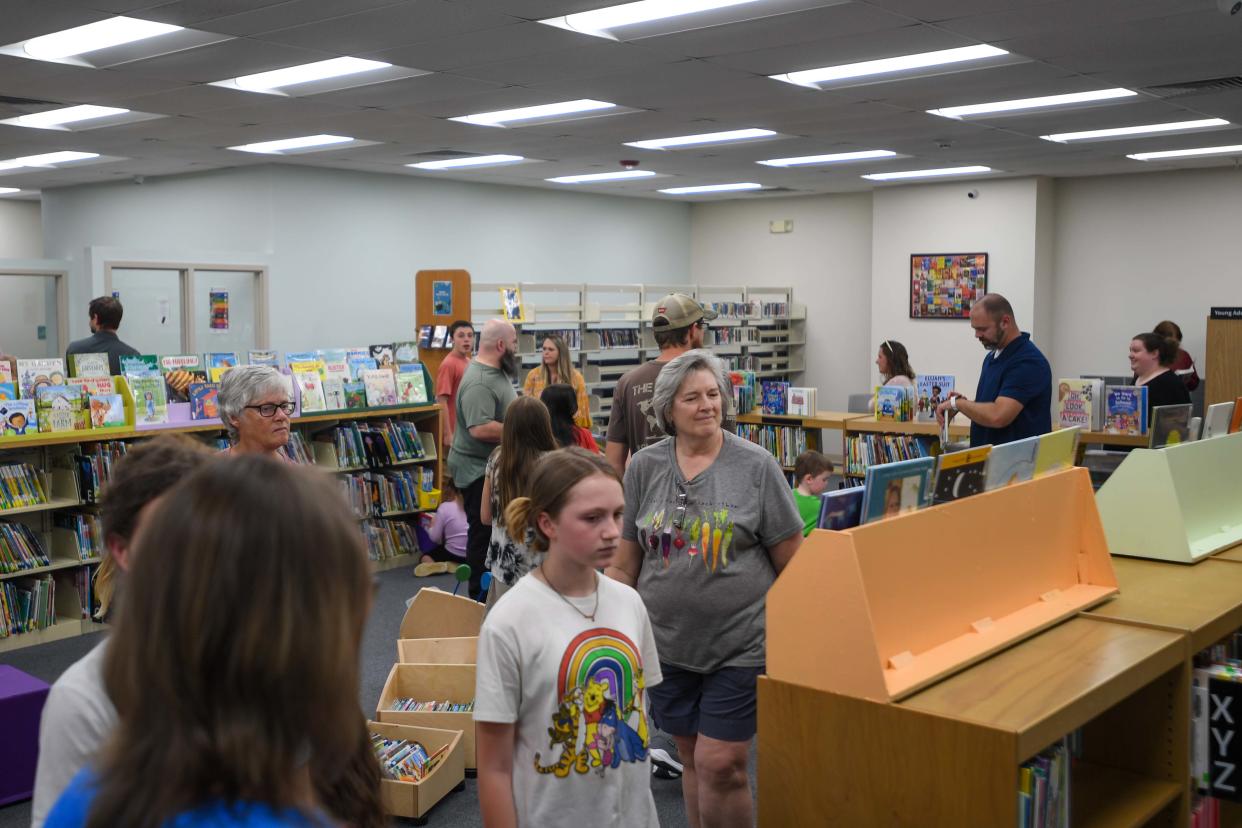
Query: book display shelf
x=1177 y=503
x=894 y=439
x=53 y=457
x=948 y=660
x=807 y=429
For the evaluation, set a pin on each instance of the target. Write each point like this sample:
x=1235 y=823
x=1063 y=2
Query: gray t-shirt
x=484 y=394
x=706 y=582
x=78 y=718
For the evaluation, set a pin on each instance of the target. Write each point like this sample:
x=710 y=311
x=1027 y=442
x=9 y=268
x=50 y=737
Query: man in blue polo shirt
x=1014 y=398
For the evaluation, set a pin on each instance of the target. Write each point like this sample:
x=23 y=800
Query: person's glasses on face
x=269 y=409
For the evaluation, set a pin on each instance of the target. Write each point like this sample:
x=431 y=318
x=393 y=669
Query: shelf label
x=1224 y=748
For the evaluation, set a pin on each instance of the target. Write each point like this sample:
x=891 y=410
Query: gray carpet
x=379 y=650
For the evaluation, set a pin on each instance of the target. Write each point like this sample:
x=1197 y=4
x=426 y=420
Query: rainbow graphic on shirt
x=605 y=656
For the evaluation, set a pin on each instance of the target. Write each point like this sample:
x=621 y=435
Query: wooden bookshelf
x=1103 y=438
x=917 y=428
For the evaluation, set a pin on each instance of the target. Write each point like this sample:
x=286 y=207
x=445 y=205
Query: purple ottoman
x=21 y=705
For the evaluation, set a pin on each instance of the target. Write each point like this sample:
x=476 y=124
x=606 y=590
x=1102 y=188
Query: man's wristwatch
x=953 y=403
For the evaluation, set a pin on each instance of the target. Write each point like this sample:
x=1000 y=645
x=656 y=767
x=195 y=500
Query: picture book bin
x=437 y=614
x=1178 y=503
x=463 y=650
x=897 y=604
x=431 y=682
x=413 y=799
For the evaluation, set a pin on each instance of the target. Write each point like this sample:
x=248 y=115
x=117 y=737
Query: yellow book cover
x=1056 y=450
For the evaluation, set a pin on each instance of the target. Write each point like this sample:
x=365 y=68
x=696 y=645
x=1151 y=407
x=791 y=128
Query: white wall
x=343 y=247
x=826 y=260
x=26 y=302
x=20 y=234
x=1133 y=250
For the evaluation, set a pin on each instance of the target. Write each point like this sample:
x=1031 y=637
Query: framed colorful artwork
x=945 y=285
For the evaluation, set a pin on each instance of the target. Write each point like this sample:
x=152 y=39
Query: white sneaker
x=664 y=766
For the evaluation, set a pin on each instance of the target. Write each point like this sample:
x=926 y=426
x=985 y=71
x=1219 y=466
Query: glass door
x=152 y=302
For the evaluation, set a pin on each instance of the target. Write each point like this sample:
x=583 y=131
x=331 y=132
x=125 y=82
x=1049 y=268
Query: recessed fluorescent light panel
x=4 y=191
x=1025 y=104
x=712 y=188
x=1186 y=153
x=904 y=66
x=832 y=158
x=305 y=143
x=544 y=113
x=1146 y=129
x=472 y=161
x=111 y=41
x=79 y=118
x=943 y=171
x=592 y=177
x=321 y=76
x=651 y=18
x=703 y=139
x=47 y=159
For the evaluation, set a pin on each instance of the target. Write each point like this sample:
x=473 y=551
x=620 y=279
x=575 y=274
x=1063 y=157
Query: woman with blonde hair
x=555 y=367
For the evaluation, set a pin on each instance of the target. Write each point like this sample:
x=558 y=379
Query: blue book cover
x=894 y=488
x=1010 y=463
x=841 y=509
x=301 y=356
x=333 y=354
x=775 y=397
x=203 y=404
x=8 y=391
x=1125 y=409
x=894 y=402
x=16 y=416
x=358 y=364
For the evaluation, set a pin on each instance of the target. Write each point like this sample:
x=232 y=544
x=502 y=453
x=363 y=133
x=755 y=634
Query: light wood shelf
x=55 y=566
x=51 y=505
x=1104 y=797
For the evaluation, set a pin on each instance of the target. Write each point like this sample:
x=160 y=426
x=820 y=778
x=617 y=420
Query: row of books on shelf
x=374 y=444
x=87 y=532
x=784 y=442
x=406 y=760
x=372 y=494
x=619 y=338
x=906 y=403
x=27 y=605
x=572 y=337
x=1044 y=789
x=863 y=450
x=20 y=548
x=891 y=489
x=1215 y=691
x=389 y=538
x=21 y=485
x=754 y=309
x=94 y=464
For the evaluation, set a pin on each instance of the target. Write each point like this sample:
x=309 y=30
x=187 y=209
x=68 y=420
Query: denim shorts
x=720 y=704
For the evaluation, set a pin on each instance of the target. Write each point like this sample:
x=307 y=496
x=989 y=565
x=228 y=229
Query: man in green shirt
x=811 y=471
x=485 y=392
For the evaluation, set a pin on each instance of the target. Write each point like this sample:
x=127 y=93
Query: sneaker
x=664 y=766
x=432 y=568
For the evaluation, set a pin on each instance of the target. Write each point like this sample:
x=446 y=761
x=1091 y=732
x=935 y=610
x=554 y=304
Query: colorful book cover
x=97 y=386
x=180 y=372
x=775 y=395
x=358 y=364
x=511 y=303
x=308 y=366
x=381 y=387
x=336 y=370
x=1056 y=450
x=405 y=352
x=334 y=394
x=150 y=400
x=894 y=402
x=357 y=352
x=424 y=336
x=382 y=354
x=34 y=374
x=802 y=401
x=960 y=474
x=931 y=390
x=333 y=354
x=311 y=386
x=1216 y=421
x=269 y=358
x=895 y=488
x=355 y=394
x=841 y=509
x=218 y=363
x=1079 y=403
x=8 y=370
x=301 y=356
x=440 y=337
x=60 y=408
x=204 y=402
x=89 y=365
x=411 y=390
x=16 y=416
x=1125 y=409
x=107 y=411
x=1011 y=463
x=8 y=391
x=1170 y=424
x=142 y=365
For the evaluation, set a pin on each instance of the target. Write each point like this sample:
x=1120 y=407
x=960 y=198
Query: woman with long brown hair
x=555 y=367
x=527 y=436
x=234 y=664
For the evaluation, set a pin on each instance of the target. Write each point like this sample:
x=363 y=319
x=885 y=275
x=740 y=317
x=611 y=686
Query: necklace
x=594 y=609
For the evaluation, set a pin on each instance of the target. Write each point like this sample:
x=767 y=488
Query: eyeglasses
x=269 y=409
x=703 y=323
x=679 y=516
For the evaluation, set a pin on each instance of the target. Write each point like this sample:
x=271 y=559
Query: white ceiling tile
x=390 y=26
x=221 y=61
x=487 y=46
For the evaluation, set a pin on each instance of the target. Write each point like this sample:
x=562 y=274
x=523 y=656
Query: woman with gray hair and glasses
x=255 y=408
x=709 y=523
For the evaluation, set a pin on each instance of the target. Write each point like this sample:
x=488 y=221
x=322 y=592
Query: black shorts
x=721 y=704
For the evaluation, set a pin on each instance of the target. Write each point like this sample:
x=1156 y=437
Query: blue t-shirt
x=71 y=809
x=1019 y=372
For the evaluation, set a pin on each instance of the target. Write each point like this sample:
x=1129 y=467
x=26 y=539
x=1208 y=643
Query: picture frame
x=945 y=285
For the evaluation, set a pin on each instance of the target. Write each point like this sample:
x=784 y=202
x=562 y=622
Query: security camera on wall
x=1229 y=7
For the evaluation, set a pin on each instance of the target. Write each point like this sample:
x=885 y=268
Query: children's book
x=357 y=352
x=1056 y=450
x=960 y=474
x=218 y=363
x=440 y=337
x=405 y=352
x=308 y=366
x=89 y=365
x=424 y=336
x=150 y=400
x=334 y=393
x=894 y=488
x=268 y=358
x=358 y=364
x=1010 y=463
x=511 y=303
x=1170 y=424
x=8 y=391
x=8 y=370
x=333 y=354
x=60 y=408
x=931 y=390
x=775 y=395
x=1235 y=424
x=16 y=416
x=355 y=394
x=336 y=370
x=1125 y=409
x=142 y=365
x=180 y=372
x=382 y=354
x=301 y=356
x=411 y=390
x=381 y=387
x=1216 y=423
x=1079 y=403
x=34 y=374
x=894 y=402
x=840 y=509
x=204 y=402
x=107 y=411
x=311 y=386
x=802 y=401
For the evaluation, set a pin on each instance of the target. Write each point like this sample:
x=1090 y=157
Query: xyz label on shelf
x=1224 y=738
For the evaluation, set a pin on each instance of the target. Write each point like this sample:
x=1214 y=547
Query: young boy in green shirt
x=811 y=471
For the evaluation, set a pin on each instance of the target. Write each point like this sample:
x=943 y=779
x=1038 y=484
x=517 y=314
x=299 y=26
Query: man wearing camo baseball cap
x=679 y=323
